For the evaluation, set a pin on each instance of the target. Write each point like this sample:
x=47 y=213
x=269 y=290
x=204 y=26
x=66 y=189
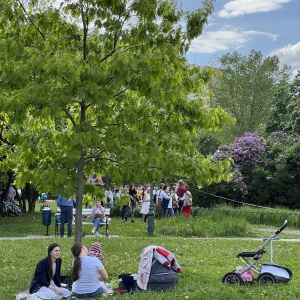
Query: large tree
x=103 y=85
x=285 y=108
x=245 y=86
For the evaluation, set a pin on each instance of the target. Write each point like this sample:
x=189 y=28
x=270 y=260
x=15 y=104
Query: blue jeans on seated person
x=100 y=291
x=97 y=222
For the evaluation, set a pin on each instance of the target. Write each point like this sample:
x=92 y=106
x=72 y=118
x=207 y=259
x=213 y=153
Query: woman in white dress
x=146 y=204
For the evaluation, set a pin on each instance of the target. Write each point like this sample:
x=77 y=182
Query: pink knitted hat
x=96 y=251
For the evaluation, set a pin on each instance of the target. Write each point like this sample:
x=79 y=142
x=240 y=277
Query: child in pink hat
x=96 y=250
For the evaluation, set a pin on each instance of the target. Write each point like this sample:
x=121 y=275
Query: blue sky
x=268 y=26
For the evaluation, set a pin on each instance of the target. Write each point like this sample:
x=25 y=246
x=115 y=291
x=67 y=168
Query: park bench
x=86 y=212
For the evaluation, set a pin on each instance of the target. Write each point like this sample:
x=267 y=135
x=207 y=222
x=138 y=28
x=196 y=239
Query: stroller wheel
x=232 y=278
x=266 y=278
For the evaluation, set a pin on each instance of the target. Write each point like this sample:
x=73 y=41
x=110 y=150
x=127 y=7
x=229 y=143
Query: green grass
x=205 y=247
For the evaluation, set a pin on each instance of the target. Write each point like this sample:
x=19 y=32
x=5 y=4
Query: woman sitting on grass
x=46 y=282
x=87 y=273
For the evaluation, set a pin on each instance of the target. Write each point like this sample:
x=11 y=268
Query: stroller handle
x=282 y=227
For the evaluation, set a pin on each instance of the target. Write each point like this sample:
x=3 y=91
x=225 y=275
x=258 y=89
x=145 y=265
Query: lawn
x=203 y=256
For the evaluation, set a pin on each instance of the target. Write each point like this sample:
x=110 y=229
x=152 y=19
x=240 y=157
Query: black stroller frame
x=268 y=273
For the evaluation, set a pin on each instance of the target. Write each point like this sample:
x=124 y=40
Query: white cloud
x=288 y=55
x=225 y=39
x=236 y=8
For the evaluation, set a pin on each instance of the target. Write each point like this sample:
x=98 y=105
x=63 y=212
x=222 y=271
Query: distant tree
x=103 y=85
x=285 y=109
x=245 y=87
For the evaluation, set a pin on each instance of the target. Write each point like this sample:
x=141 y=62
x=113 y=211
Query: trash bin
x=46 y=218
x=43 y=207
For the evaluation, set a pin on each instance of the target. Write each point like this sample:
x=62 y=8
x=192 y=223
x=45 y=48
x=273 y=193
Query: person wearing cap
x=88 y=274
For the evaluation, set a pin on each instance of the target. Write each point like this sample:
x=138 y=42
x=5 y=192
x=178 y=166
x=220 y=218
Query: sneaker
x=93 y=230
x=132 y=221
x=98 y=234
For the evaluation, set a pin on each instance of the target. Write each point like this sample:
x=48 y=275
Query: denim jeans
x=96 y=222
x=66 y=216
x=124 y=212
x=131 y=210
x=168 y=211
x=100 y=291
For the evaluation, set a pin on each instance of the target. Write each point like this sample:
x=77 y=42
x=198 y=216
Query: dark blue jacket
x=41 y=276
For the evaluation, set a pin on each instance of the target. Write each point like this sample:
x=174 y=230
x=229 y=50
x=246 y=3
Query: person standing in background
x=11 y=193
x=187 y=205
x=174 y=197
x=146 y=204
x=181 y=190
x=158 y=202
x=66 y=214
x=133 y=201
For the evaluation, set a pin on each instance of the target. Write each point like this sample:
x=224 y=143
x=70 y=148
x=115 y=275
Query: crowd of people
x=168 y=200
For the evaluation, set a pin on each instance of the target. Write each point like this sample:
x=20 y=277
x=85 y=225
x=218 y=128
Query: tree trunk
x=31 y=195
x=79 y=196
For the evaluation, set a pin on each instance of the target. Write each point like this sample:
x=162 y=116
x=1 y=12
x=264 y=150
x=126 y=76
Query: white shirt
x=88 y=281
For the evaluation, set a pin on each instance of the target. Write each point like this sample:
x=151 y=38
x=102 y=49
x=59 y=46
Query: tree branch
x=70 y=117
x=30 y=20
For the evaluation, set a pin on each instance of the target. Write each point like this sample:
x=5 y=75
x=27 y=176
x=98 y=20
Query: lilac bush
x=247 y=152
x=265 y=171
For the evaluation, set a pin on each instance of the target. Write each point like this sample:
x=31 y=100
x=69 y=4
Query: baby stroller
x=267 y=273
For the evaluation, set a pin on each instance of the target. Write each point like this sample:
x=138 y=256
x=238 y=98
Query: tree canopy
x=103 y=86
x=285 y=108
x=245 y=87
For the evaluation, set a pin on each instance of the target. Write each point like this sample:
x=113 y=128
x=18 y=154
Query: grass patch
x=198 y=244
x=206 y=226
x=203 y=261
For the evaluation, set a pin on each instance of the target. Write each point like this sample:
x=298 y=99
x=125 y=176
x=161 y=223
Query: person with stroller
x=46 y=281
x=88 y=274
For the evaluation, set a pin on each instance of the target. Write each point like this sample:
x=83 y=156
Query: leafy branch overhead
x=84 y=83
